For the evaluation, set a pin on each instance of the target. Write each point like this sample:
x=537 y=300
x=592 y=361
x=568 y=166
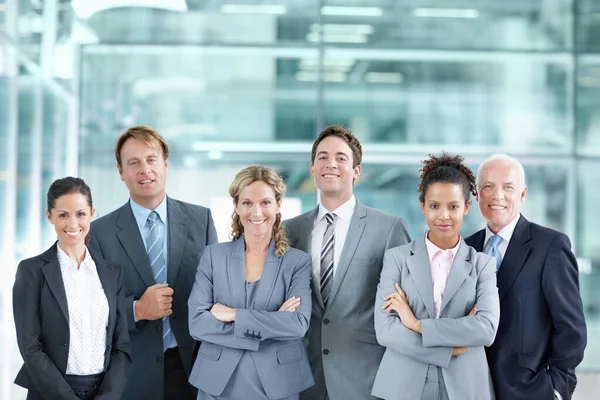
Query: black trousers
x=84 y=386
x=177 y=386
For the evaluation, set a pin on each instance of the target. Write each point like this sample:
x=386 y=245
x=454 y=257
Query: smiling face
x=444 y=209
x=332 y=168
x=71 y=217
x=144 y=171
x=257 y=208
x=501 y=192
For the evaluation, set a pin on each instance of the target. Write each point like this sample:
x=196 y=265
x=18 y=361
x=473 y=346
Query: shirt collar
x=141 y=213
x=345 y=211
x=433 y=250
x=505 y=233
x=64 y=259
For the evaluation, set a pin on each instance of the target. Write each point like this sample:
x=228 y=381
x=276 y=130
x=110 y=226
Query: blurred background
x=238 y=82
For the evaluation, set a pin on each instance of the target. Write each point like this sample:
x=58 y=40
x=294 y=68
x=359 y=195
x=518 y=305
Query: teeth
x=257 y=222
x=330 y=176
x=72 y=233
x=497 y=207
x=146 y=181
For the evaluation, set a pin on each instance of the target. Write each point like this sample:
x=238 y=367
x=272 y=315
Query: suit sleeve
x=469 y=331
x=115 y=379
x=281 y=325
x=203 y=325
x=389 y=329
x=560 y=283
x=132 y=324
x=211 y=231
x=26 y=308
x=398 y=234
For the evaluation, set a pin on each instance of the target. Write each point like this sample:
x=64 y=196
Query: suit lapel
x=110 y=290
x=268 y=278
x=461 y=268
x=53 y=276
x=131 y=240
x=236 y=273
x=478 y=239
x=418 y=266
x=514 y=259
x=355 y=231
x=178 y=231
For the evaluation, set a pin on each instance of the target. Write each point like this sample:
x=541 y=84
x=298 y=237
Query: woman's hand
x=290 y=305
x=397 y=302
x=223 y=313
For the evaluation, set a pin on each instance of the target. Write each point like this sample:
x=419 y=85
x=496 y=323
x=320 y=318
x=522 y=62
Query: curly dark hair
x=446 y=169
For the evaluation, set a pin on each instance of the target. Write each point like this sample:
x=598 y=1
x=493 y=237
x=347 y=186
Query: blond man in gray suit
x=346 y=241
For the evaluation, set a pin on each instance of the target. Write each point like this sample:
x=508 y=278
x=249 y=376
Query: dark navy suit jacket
x=542 y=333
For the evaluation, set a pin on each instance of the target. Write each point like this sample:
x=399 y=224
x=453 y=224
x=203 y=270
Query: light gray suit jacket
x=342 y=347
x=472 y=280
x=273 y=338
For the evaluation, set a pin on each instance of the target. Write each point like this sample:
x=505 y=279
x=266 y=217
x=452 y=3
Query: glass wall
x=238 y=82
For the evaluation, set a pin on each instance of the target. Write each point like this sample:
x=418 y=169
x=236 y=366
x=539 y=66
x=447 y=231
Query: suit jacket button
x=325 y=321
x=159 y=359
x=325 y=351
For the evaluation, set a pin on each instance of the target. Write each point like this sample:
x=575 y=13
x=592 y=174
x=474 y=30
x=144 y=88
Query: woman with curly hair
x=250 y=305
x=437 y=303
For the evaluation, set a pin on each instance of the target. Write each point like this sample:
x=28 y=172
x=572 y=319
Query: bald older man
x=542 y=333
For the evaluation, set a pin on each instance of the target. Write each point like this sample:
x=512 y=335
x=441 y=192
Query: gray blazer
x=117 y=237
x=472 y=280
x=342 y=347
x=273 y=338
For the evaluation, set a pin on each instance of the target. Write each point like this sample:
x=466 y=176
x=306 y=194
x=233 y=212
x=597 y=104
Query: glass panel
x=201 y=22
x=194 y=96
x=510 y=25
x=588 y=102
x=588 y=25
x=500 y=101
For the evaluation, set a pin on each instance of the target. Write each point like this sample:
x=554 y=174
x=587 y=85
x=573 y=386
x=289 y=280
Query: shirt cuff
x=557 y=395
x=135 y=319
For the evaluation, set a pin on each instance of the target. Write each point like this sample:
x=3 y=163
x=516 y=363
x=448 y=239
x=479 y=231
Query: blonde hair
x=145 y=134
x=246 y=177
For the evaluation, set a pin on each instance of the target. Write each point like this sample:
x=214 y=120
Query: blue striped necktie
x=155 y=240
x=327 y=258
x=492 y=250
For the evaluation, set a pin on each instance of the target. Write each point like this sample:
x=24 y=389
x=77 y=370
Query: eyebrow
x=338 y=153
x=83 y=209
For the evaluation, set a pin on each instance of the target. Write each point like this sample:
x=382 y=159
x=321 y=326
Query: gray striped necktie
x=155 y=240
x=327 y=258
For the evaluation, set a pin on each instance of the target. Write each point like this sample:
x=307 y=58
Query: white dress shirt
x=88 y=315
x=505 y=233
x=440 y=263
x=342 y=223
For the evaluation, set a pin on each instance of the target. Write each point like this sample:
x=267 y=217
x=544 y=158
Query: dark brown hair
x=342 y=132
x=446 y=169
x=147 y=135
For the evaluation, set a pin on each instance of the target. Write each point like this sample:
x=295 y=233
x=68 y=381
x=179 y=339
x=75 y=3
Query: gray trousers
x=434 y=388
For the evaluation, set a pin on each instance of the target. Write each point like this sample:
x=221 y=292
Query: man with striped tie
x=346 y=241
x=157 y=241
x=542 y=333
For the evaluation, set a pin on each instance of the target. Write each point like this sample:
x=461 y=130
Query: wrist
x=137 y=313
x=418 y=326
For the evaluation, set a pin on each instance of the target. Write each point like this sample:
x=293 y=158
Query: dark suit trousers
x=177 y=386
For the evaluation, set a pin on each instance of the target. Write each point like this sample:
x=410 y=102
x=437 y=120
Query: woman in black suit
x=69 y=309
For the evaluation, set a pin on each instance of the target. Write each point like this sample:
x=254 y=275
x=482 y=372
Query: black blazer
x=542 y=333
x=42 y=324
x=118 y=238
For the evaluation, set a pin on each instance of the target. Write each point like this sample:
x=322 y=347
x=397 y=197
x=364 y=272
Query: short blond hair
x=145 y=134
x=246 y=177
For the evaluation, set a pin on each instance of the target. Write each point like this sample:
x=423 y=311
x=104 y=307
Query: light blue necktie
x=154 y=247
x=492 y=250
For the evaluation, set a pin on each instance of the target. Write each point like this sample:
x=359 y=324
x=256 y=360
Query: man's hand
x=155 y=303
x=223 y=313
x=290 y=305
x=458 y=351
